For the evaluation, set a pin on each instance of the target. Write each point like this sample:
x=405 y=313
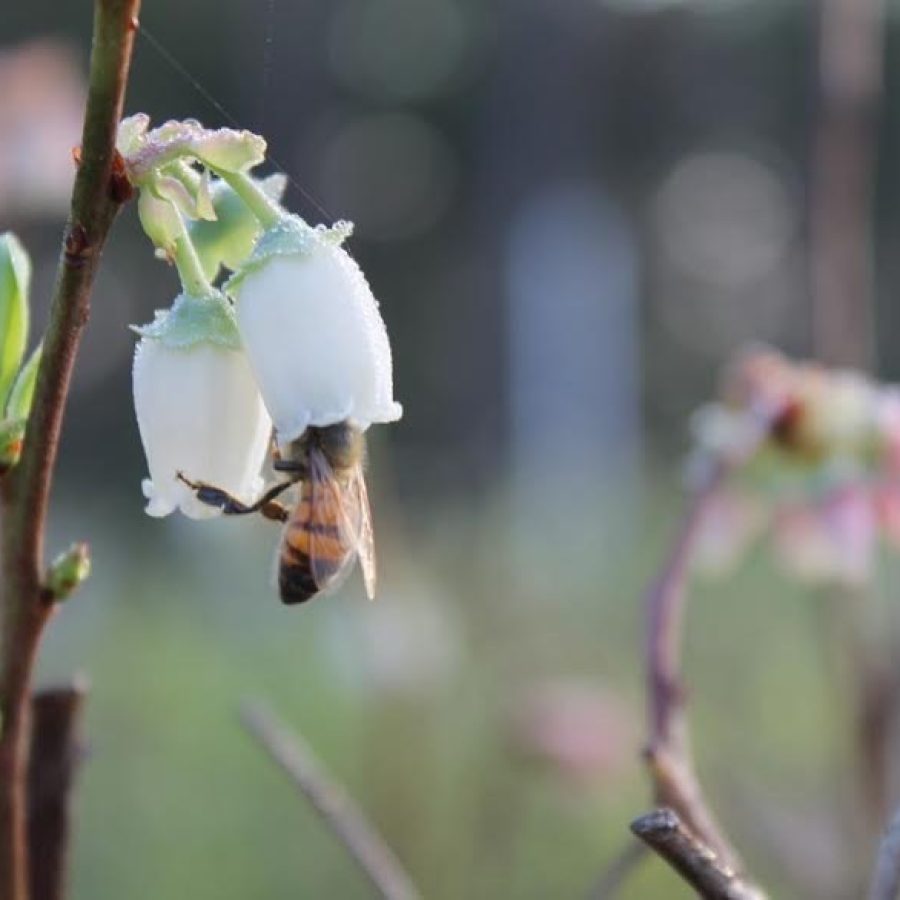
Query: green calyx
x=289 y=237
x=194 y=320
x=228 y=238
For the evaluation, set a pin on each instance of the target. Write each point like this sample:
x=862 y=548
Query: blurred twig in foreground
x=696 y=863
x=294 y=756
x=56 y=749
x=668 y=751
x=886 y=877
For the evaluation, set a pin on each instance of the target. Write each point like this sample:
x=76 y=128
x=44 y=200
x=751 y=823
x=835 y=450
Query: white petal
x=199 y=412
x=316 y=341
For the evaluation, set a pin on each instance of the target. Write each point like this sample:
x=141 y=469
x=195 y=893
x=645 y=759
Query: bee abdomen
x=295 y=580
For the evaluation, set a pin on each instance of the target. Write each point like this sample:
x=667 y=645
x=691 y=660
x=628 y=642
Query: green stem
x=26 y=489
x=267 y=211
x=193 y=279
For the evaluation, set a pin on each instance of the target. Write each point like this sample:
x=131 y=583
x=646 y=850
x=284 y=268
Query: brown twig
x=693 y=860
x=26 y=489
x=56 y=749
x=668 y=753
x=346 y=821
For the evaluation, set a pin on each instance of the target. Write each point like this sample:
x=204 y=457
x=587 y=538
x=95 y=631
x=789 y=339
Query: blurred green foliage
x=177 y=628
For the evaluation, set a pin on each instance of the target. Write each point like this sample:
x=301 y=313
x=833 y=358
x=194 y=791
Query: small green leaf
x=15 y=278
x=18 y=405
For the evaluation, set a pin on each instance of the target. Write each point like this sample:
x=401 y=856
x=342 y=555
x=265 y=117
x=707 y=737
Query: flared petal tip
x=157 y=506
x=163 y=503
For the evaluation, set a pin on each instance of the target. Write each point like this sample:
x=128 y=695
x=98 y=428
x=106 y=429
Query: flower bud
x=68 y=571
x=312 y=330
x=198 y=408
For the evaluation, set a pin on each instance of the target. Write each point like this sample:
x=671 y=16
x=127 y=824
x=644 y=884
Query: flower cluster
x=825 y=479
x=292 y=338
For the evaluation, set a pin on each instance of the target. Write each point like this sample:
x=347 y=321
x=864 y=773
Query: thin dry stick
x=56 y=749
x=368 y=850
x=695 y=862
x=618 y=871
x=24 y=492
x=886 y=878
x=668 y=751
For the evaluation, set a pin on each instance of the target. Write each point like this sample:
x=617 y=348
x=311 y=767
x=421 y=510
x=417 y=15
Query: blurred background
x=572 y=212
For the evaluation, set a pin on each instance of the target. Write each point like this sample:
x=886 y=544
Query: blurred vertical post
x=851 y=56
x=850 y=63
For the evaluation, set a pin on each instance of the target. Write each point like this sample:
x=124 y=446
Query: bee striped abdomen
x=313 y=552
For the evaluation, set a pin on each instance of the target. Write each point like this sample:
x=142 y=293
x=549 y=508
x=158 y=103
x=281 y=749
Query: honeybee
x=330 y=525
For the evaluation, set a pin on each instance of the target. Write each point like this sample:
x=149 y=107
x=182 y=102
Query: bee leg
x=275 y=511
x=290 y=466
x=231 y=506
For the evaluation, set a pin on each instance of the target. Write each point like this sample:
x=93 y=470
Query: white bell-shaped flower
x=312 y=330
x=198 y=408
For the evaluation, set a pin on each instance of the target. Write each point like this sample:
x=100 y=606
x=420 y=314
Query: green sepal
x=230 y=238
x=131 y=132
x=289 y=237
x=194 y=320
x=224 y=149
x=12 y=434
x=15 y=279
x=159 y=219
x=18 y=404
x=204 y=202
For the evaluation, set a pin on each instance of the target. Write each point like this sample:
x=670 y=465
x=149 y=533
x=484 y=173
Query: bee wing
x=365 y=537
x=332 y=537
x=346 y=520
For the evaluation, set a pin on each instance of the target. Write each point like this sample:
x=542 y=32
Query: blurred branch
x=668 y=753
x=25 y=490
x=865 y=649
x=618 y=871
x=296 y=759
x=886 y=878
x=851 y=50
x=56 y=716
x=695 y=862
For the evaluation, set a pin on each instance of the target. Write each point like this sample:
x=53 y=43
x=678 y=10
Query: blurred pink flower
x=733 y=520
x=584 y=731
x=824 y=485
x=41 y=108
x=833 y=539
